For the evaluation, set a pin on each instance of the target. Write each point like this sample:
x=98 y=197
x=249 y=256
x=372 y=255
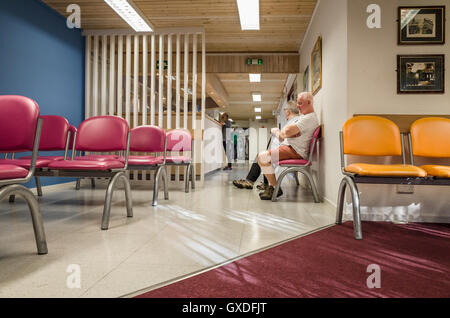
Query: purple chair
x=99 y=134
x=150 y=139
x=20 y=130
x=179 y=141
x=300 y=165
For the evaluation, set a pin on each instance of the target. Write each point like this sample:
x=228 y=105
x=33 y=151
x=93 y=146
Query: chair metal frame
x=189 y=171
x=351 y=180
x=12 y=187
x=114 y=175
x=303 y=169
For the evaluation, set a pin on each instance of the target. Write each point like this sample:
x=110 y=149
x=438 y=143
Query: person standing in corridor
x=226 y=138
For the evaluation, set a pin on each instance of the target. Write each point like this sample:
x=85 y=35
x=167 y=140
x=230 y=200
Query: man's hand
x=275 y=132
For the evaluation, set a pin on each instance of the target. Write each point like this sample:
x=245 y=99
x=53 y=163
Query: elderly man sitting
x=295 y=139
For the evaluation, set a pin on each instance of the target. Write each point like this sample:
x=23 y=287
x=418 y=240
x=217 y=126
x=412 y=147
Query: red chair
x=150 y=139
x=179 y=141
x=300 y=165
x=20 y=130
x=99 y=134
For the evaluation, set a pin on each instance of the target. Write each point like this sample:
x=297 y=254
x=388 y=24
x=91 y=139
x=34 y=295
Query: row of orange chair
x=374 y=136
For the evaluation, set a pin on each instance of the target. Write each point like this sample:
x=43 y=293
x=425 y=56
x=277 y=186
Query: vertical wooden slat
x=169 y=82
x=152 y=84
x=144 y=78
x=95 y=79
x=194 y=83
x=104 y=75
x=136 y=81
x=112 y=75
x=202 y=172
x=186 y=80
x=178 y=95
x=128 y=79
x=161 y=81
x=87 y=72
x=119 y=75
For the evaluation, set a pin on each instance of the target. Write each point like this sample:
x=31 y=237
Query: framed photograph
x=421 y=25
x=306 y=80
x=316 y=67
x=421 y=74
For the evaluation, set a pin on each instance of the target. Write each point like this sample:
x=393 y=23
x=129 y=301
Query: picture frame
x=421 y=25
x=306 y=86
x=421 y=74
x=316 y=67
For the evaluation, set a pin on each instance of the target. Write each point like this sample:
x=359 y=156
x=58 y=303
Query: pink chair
x=300 y=165
x=179 y=141
x=99 y=134
x=20 y=130
x=151 y=139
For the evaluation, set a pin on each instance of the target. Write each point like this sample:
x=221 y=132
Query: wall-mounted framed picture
x=421 y=25
x=306 y=80
x=316 y=67
x=420 y=74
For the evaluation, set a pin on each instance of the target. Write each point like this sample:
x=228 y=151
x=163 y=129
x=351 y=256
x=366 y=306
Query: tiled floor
x=186 y=234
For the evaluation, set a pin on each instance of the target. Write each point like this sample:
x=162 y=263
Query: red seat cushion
x=12 y=172
x=293 y=162
x=143 y=160
x=177 y=159
x=26 y=163
x=98 y=157
x=86 y=165
x=45 y=157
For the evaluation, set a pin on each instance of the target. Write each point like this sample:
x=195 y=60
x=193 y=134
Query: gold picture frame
x=316 y=67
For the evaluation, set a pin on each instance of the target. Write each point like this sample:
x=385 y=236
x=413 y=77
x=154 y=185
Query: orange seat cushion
x=372 y=170
x=437 y=171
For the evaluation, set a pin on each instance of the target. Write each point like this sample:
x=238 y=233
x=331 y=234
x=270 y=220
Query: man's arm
x=290 y=131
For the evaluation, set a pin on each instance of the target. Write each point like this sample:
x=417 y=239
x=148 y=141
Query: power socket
x=405 y=189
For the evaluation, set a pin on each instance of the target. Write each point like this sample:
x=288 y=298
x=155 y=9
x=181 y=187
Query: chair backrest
x=19 y=117
x=54 y=133
x=430 y=137
x=313 y=143
x=179 y=140
x=102 y=134
x=371 y=136
x=147 y=139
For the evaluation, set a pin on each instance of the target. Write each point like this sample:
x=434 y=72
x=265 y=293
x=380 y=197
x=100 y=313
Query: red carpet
x=414 y=261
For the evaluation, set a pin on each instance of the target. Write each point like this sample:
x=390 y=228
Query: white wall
x=329 y=22
x=372 y=89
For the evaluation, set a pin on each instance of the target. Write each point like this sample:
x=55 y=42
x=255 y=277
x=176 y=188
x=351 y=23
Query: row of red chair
x=376 y=136
x=95 y=135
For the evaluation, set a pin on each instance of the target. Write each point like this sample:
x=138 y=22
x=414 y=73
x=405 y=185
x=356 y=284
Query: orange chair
x=430 y=137
x=372 y=136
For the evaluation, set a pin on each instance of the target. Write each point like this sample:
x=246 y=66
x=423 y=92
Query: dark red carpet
x=414 y=261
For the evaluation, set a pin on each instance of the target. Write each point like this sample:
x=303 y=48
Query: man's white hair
x=292 y=107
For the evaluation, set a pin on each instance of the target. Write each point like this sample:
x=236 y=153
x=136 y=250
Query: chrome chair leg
x=128 y=198
x=193 y=177
x=357 y=227
x=109 y=195
x=38 y=186
x=186 y=178
x=156 y=186
x=78 y=184
x=340 y=205
x=296 y=178
x=310 y=178
x=166 y=183
x=38 y=225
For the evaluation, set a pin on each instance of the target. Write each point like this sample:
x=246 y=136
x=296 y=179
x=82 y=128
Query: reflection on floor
x=184 y=235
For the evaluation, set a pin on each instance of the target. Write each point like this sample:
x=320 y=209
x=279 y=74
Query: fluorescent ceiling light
x=131 y=14
x=258 y=109
x=255 y=78
x=249 y=14
x=257 y=97
x=258 y=117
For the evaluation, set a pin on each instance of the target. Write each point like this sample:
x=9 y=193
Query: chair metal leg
x=340 y=205
x=357 y=228
x=310 y=178
x=108 y=198
x=187 y=174
x=166 y=183
x=296 y=178
x=78 y=184
x=279 y=181
x=93 y=183
x=193 y=176
x=38 y=186
x=38 y=226
x=156 y=186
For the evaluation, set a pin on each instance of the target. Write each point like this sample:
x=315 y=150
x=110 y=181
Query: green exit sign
x=166 y=65
x=254 y=62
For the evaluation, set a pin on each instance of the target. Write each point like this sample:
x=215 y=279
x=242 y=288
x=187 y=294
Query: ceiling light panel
x=257 y=97
x=249 y=14
x=128 y=11
x=255 y=78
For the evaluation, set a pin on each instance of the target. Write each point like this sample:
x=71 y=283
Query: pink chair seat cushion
x=98 y=157
x=45 y=157
x=26 y=163
x=86 y=165
x=177 y=159
x=12 y=172
x=143 y=160
x=293 y=162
